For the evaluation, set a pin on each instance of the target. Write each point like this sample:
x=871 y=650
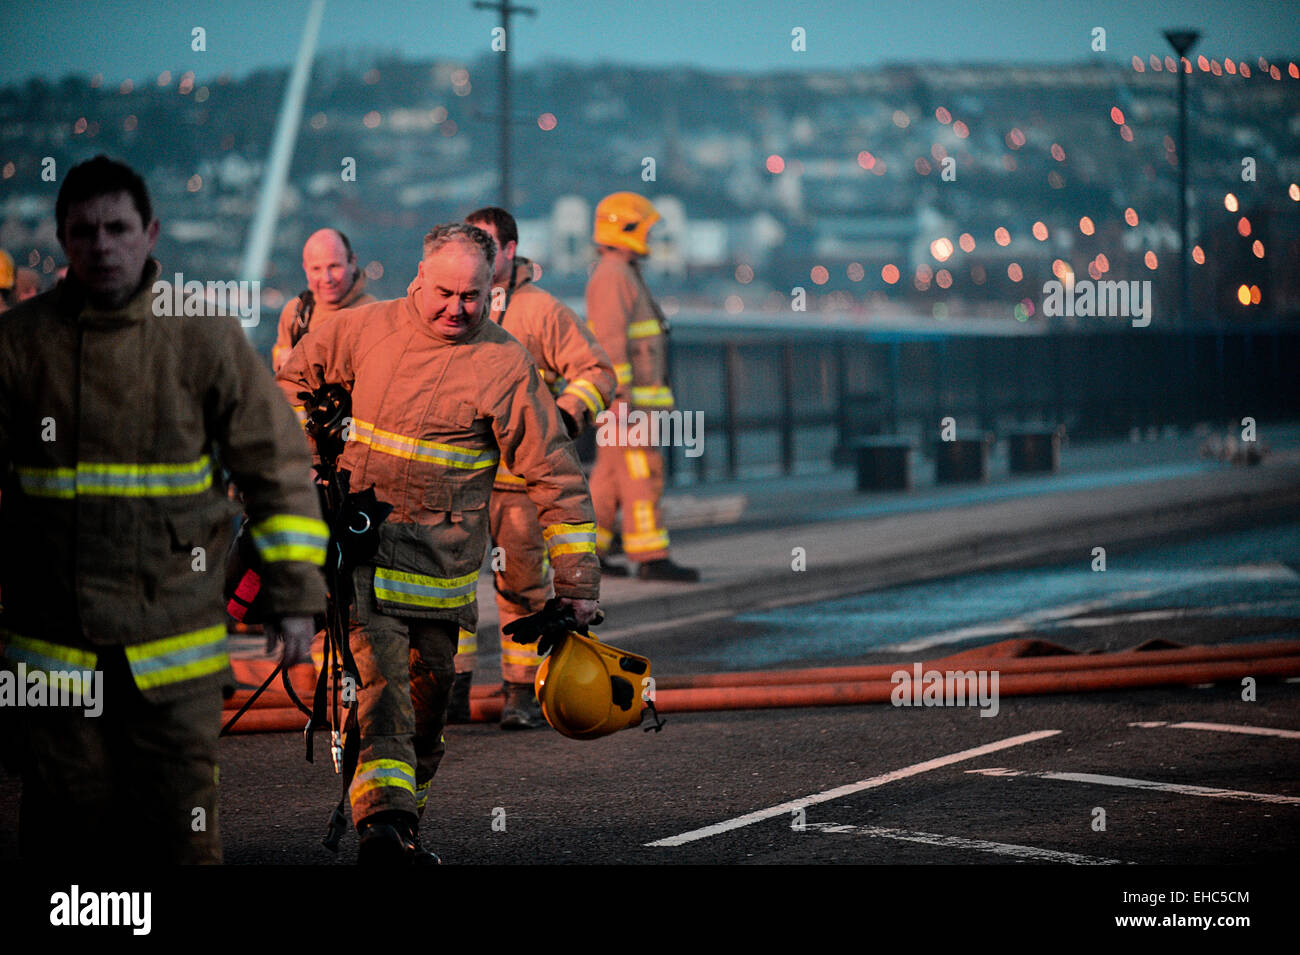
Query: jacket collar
x=74 y=301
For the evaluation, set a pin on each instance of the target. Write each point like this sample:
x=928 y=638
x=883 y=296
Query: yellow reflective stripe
x=43 y=655
x=521 y=659
x=418 y=449
x=422 y=793
x=624 y=373
x=300 y=411
x=505 y=477
x=291 y=537
x=374 y=773
x=182 y=657
x=118 y=480
x=588 y=393
x=569 y=539
x=643 y=543
x=643 y=516
x=417 y=590
x=657 y=396
x=467 y=642
x=645 y=328
x=638 y=466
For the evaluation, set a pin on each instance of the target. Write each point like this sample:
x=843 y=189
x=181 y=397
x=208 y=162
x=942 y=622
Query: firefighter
x=333 y=283
x=627 y=322
x=113 y=530
x=579 y=374
x=440 y=394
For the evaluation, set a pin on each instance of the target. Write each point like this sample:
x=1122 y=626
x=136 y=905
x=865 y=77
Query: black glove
x=546 y=626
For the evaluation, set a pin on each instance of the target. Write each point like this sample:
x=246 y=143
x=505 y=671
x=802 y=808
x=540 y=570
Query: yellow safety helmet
x=623 y=219
x=6 y=270
x=589 y=689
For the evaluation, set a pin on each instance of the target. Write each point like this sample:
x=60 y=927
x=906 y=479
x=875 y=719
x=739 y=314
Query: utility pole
x=505 y=9
x=1182 y=41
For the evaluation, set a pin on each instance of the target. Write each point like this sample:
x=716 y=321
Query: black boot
x=458 y=704
x=665 y=569
x=521 y=710
x=392 y=839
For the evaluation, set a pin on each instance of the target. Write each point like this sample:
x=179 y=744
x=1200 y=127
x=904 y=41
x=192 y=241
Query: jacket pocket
x=454 y=412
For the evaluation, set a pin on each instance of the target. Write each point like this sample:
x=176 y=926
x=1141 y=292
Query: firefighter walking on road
x=113 y=421
x=580 y=375
x=440 y=395
x=627 y=322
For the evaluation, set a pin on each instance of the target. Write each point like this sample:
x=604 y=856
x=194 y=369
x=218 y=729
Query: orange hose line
x=1015 y=684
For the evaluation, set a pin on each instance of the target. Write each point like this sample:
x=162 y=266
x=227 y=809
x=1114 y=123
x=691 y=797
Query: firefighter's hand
x=586 y=612
x=297 y=634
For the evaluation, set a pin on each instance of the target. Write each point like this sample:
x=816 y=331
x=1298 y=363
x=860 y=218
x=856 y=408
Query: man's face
x=505 y=260
x=454 y=282
x=329 y=268
x=107 y=246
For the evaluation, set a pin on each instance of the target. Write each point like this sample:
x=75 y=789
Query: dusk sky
x=137 y=38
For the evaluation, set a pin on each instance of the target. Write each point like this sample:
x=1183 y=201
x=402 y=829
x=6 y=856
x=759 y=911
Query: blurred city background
x=902 y=185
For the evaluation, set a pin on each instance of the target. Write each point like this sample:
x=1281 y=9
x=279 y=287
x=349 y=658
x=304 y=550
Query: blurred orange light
x=967 y=242
x=960 y=129
x=1243 y=294
x=1151 y=261
x=1058 y=153
x=1258 y=249
x=1198 y=255
x=1014 y=273
x=819 y=275
x=1117 y=116
x=856 y=272
x=1203 y=63
x=1254 y=295
x=1156 y=65
x=775 y=164
x=943 y=116
x=1230 y=202
x=547 y=121
x=1103 y=263
x=866 y=160
x=943 y=279
x=1131 y=216
x=1243 y=226
x=890 y=274
x=1293 y=191
x=1001 y=236
x=1040 y=231
x=1086 y=226
x=922 y=165
x=1126 y=134
x=1138 y=67
x=1245 y=69
x=1230 y=66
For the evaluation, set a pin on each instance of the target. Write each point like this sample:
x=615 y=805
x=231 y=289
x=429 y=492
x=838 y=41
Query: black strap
x=302 y=316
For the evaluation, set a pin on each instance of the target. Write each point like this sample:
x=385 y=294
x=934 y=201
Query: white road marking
x=1236 y=728
x=957 y=842
x=914 y=770
x=1184 y=788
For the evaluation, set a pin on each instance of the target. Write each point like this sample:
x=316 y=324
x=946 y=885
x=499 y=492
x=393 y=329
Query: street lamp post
x=1182 y=41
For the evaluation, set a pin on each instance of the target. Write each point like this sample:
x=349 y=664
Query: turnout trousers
x=405 y=672
x=630 y=479
x=136 y=783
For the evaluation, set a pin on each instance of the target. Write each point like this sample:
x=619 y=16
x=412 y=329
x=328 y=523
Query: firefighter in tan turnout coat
x=440 y=395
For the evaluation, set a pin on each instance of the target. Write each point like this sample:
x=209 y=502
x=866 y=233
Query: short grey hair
x=441 y=235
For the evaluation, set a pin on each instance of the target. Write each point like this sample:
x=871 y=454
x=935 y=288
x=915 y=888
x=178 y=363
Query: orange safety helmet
x=589 y=689
x=6 y=270
x=623 y=219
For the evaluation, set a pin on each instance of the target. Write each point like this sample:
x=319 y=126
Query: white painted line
x=1235 y=728
x=1150 y=724
x=914 y=770
x=1028 y=853
x=1185 y=789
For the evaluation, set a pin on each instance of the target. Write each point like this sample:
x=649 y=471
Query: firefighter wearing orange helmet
x=627 y=322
